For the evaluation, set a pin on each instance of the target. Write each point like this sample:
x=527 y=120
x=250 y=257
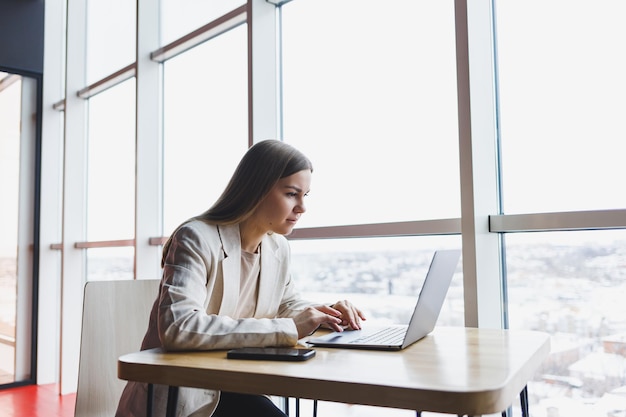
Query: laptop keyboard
x=387 y=336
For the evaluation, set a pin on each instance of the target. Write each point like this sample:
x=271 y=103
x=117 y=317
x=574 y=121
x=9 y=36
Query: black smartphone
x=271 y=353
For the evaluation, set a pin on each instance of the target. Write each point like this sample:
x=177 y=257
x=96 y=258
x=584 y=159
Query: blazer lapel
x=231 y=268
x=270 y=267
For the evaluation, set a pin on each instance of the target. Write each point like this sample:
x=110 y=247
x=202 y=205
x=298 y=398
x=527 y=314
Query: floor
x=36 y=401
x=44 y=401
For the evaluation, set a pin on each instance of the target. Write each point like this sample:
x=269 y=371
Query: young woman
x=226 y=281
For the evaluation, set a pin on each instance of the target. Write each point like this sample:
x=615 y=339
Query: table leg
x=172 y=399
x=149 y=400
x=523 y=404
x=524 y=401
x=297 y=401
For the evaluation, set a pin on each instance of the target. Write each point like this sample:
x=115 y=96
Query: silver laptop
x=423 y=320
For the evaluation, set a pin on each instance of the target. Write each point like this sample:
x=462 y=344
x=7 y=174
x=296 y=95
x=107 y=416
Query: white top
x=249 y=284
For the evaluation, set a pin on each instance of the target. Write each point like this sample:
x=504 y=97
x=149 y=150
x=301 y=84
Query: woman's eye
x=292 y=194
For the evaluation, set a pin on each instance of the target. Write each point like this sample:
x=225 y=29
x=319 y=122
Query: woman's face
x=282 y=207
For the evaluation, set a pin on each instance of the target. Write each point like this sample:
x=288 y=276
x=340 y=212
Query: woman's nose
x=300 y=207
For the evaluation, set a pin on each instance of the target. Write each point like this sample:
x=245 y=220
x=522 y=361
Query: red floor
x=36 y=401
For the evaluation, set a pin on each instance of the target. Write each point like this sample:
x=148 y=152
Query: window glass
x=371 y=99
x=109 y=264
x=205 y=123
x=382 y=276
x=111 y=40
x=10 y=118
x=179 y=17
x=111 y=164
x=562 y=90
x=572 y=285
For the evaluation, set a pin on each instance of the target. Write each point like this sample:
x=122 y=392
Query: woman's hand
x=311 y=318
x=349 y=314
x=336 y=317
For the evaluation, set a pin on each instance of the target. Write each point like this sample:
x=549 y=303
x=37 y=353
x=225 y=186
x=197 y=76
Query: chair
x=115 y=318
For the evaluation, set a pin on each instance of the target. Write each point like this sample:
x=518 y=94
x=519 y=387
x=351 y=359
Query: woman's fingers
x=349 y=314
x=311 y=318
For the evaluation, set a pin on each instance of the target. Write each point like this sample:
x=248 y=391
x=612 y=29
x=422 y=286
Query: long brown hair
x=259 y=170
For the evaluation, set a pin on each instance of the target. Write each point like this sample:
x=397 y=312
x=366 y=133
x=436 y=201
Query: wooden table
x=463 y=371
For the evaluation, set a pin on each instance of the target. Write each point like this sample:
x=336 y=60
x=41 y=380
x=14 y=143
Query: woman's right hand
x=311 y=318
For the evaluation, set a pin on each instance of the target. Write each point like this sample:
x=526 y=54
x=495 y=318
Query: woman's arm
x=190 y=281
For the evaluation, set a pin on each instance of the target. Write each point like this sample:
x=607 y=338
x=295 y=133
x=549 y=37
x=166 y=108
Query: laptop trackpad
x=343 y=337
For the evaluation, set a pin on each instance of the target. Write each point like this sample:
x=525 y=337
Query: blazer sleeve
x=186 y=320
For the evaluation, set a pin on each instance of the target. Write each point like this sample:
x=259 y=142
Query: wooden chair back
x=115 y=318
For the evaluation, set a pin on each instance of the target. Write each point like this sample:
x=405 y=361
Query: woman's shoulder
x=196 y=229
x=196 y=225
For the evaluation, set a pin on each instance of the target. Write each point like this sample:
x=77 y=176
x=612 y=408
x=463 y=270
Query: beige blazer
x=198 y=295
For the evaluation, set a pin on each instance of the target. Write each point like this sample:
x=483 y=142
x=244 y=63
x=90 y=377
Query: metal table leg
x=172 y=400
x=523 y=399
x=149 y=400
x=523 y=396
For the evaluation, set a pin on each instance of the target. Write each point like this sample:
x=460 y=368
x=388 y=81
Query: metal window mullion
x=59 y=105
x=49 y=305
x=212 y=29
x=563 y=221
x=105 y=244
x=110 y=81
x=26 y=229
x=148 y=181
x=278 y=3
x=483 y=290
x=74 y=195
x=410 y=228
x=263 y=70
x=150 y=47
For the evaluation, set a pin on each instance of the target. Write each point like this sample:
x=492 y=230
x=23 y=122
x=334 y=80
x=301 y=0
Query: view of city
x=573 y=292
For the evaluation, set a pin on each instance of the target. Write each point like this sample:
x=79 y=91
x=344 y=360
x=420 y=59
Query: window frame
x=482 y=223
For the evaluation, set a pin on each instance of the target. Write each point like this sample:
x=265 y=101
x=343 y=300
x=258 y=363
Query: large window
x=111 y=164
x=571 y=285
x=354 y=102
x=383 y=276
x=18 y=143
x=111 y=28
x=371 y=99
x=180 y=17
x=562 y=90
x=10 y=104
x=368 y=90
x=562 y=101
x=205 y=124
x=111 y=181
